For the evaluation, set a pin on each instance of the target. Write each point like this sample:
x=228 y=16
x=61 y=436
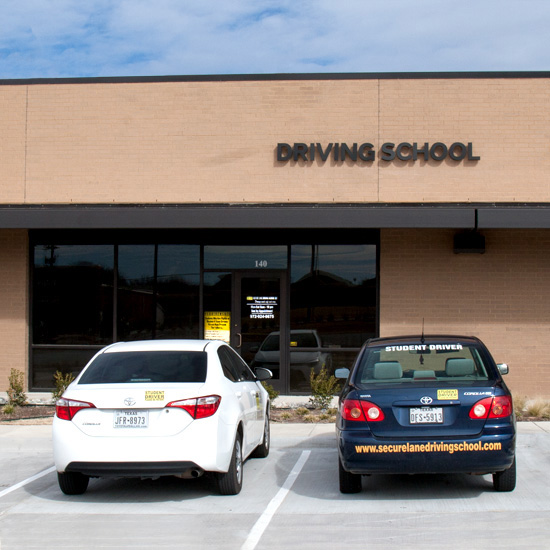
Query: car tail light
x=67 y=408
x=198 y=407
x=353 y=409
x=373 y=412
x=497 y=407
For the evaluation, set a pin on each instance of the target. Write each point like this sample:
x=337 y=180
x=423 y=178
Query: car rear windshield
x=146 y=366
x=448 y=362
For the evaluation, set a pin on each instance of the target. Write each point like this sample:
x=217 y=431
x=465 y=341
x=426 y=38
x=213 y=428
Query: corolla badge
x=129 y=401
x=426 y=400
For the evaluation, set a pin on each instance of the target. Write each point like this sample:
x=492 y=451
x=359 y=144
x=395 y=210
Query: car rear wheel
x=72 y=483
x=262 y=450
x=231 y=482
x=349 y=483
x=505 y=481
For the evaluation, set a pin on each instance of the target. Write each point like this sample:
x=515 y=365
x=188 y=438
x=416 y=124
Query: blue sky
x=87 y=38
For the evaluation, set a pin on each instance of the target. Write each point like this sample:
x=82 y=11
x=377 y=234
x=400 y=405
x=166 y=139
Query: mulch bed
x=28 y=412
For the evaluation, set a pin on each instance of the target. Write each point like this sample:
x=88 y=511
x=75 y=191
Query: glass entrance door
x=248 y=310
x=258 y=328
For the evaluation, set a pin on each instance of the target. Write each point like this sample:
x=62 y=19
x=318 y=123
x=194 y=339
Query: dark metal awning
x=274 y=216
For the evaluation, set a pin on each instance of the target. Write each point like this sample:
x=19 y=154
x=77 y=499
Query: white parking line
x=26 y=481
x=261 y=525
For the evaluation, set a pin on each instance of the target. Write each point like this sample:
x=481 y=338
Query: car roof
x=162 y=345
x=423 y=338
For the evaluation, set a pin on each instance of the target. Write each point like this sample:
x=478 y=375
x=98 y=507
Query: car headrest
x=387 y=369
x=457 y=366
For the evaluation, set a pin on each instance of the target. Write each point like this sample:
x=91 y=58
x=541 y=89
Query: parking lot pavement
x=288 y=500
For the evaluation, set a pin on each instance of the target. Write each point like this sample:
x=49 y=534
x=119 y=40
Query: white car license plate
x=131 y=419
x=426 y=415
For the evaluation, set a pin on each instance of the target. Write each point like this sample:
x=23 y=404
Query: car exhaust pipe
x=193 y=473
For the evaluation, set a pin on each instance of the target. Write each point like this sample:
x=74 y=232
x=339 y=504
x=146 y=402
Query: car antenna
x=421 y=359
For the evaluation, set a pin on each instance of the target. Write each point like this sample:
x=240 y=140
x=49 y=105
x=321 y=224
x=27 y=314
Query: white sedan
x=164 y=407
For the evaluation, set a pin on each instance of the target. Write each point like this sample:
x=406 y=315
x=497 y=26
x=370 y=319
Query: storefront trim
x=277 y=77
x=314 y=216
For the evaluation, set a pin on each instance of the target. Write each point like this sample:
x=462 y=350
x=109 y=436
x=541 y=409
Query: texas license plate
x=426 y=415
x=131 y=419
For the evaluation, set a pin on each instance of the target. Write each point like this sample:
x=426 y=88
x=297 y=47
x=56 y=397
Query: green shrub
x=272 y=392
x=323 y=388
x=16 y=391
x=61 y=382
x=8 y=409
x=301 y=411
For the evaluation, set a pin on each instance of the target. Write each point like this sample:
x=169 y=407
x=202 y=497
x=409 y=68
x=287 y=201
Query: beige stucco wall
x=215 y=141
x=502 y=296
x=13 y=304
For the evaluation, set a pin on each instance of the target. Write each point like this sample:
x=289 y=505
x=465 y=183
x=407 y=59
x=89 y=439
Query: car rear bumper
x=136 y=469
x=205 y=445
x=361 y=453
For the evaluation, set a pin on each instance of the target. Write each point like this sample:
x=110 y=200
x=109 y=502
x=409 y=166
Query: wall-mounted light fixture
x=469 y=241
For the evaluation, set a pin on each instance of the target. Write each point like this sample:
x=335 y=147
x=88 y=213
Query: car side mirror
x=503 y=368
x=341 y=373
x=262 y=373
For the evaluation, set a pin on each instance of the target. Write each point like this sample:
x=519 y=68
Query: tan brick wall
x=14 y=305
x=502 y=296
x=215 y=141
x=12 y=143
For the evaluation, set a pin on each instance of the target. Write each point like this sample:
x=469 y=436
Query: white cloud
x=55 y=38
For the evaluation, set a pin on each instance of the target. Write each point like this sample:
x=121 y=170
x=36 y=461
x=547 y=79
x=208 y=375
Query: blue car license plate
x=426 y=415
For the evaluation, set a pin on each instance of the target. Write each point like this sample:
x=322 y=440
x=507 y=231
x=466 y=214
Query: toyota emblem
x=426 y=400
x=129 y=401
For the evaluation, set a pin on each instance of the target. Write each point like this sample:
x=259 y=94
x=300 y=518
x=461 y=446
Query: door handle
x=240 y=336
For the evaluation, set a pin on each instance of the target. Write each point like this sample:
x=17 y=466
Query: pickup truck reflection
x=302 y=360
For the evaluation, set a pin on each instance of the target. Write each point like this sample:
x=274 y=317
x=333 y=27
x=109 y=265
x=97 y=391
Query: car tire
x=262 y=450
x=505 y=481
x=231 y=482
x=72 y=483
x=349 y=483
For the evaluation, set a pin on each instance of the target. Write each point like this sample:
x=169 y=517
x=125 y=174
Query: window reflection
x=178 y=282
x=333 y=293
x=73 y=294
x=135 y=300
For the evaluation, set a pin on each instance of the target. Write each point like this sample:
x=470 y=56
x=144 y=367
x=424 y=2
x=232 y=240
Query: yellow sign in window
x=217 y=325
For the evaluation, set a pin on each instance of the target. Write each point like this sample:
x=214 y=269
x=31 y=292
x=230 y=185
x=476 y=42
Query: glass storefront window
x=333 y=298
x=136 y=306
x=85 y=296
x=178 y=283
x=46 y=362
x=73 y=294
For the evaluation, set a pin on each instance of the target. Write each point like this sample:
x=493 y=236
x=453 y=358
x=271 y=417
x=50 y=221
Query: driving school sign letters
x=365 y=152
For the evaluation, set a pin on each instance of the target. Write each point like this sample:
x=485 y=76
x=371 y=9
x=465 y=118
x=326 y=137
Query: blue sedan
x=425 y=404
